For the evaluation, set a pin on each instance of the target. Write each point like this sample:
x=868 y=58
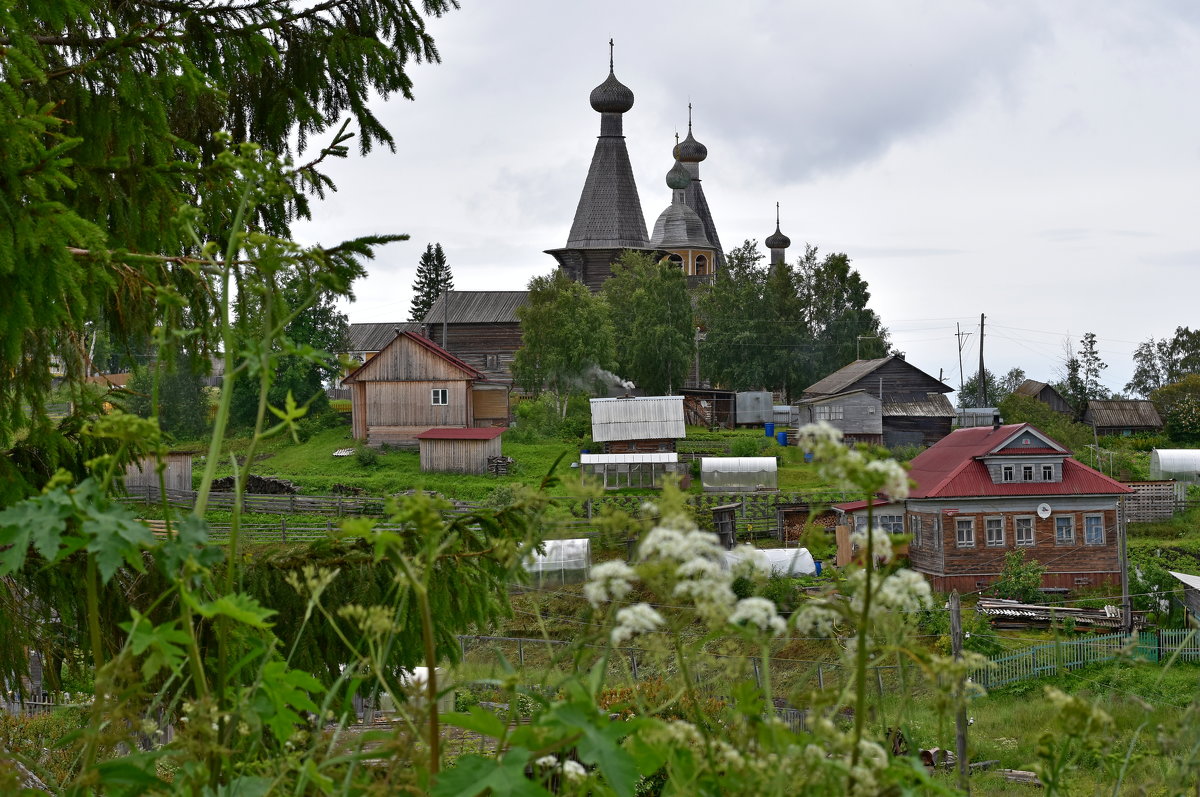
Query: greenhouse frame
x=1180 y=464
x=739 y=474
x=563 y=562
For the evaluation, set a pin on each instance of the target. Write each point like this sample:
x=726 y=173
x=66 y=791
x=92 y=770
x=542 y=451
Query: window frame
x=1047 y=473
x=1087 y=531
x=1017 y=531
x=1058 y=537
x=987 y=532
x=915 y=524
x=1026 y=473
x=1007 y=473
x=958 y=532
x=439 y=392
x=890 y=528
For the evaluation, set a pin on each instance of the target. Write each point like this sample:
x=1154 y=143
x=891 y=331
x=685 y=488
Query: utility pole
x=962 y=341
x=982 y=382
x=960 y=716
x=1123 y=553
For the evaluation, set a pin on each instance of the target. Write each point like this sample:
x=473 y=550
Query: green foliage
x=182 y=408
x=1020 y=579
x=1025 y=409
x=566 y=338
x=784 y=327
x=433 y=279
x=648 y=302
x=1158 y=363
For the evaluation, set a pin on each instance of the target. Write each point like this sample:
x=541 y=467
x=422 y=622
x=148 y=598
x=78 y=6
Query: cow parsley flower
x=760 y=613
x=816 y=619
x=610 y=581
x=881 y=543
x=891 y=476
x=640 y=618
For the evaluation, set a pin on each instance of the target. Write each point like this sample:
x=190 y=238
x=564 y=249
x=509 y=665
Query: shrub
x=366 y=456
x=746 y=446
x=1020 y=580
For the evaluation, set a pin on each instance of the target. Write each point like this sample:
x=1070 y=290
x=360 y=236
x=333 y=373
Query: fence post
x=283 y=529
x=757 y=679
x=879 y=681
x=960 y=719
x=820 y=678
x=633 y=664
x=520 y=651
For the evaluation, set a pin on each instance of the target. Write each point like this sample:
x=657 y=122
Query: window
x=892 y=524
x=491 y=361
x=915 y=525
x=439 y=396
x=1026 y=473
x=1064 y=530
x=1024 y=527
x=964 y=531
x=994 y=531
x=1047 y=473
x=1093 y=530
x=829 y=412
x=1007 y=472
x=701 y=265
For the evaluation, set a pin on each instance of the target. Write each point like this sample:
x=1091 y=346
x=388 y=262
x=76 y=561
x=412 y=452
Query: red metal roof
x=951 y=468
x=854 y=506
x=469 y=433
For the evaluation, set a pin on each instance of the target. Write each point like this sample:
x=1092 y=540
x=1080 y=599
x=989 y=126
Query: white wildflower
x=881 y=543
x=573 y=770
x=547 y=761
x=892 y=476
x=610 y=581
x=905 y=591
x=760 y=613
x=640 y=618
x=816 y=435
x=748 y=561
x=816 y=619
x=665 y=542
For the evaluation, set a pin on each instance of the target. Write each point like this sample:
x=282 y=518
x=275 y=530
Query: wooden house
x=857 y=414
x=458 y=450
x=367 y=340
x=986 y=491
x=142 y=475
x=1046 y=394
x=1123 y=417
x=915 y=409
x=481 y=329
x=649 y=424
x=413 y=385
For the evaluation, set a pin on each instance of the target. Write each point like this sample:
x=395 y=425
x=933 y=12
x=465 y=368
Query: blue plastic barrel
x=770 y=427
x=781 y=438
x=817 y=563
x=808 y=456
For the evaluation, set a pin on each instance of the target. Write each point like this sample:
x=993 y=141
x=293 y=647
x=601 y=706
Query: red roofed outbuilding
x=458 y=450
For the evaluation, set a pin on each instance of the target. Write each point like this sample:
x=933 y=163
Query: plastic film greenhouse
x=563 y=562
x=738 y=474
x=1181 y=464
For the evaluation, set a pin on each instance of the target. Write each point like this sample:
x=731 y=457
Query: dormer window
x=1006 y=473
x=1026 y=473
x=1047 y=473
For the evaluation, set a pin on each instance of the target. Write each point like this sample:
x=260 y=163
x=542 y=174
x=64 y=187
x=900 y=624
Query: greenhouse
x=739 y=474
x=632 y=470
x=561 y=562
x=1180 y=464
x=776 y=561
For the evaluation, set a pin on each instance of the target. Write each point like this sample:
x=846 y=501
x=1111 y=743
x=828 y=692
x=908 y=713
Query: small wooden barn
x=649 y=424
x=413 y=385
x=915 y=409
x=1122 y=416
x=1046 y=394
x=481 y=329
x=177 y=474
x=458 y=450
x=857 y=414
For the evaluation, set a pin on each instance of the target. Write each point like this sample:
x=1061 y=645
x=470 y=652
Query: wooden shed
x=1045 y=393
x=458 y=450
x=650 y=424
x=177 y=475
x=1123 y=416
x=412 y=385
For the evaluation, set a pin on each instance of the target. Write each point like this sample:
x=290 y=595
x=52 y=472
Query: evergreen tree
x=648 y=303
x=114 y=118
x=433 y=279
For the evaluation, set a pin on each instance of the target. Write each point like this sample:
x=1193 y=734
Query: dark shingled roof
x=373 y=337
x=479 y=307
x=694 y=196
x=1123 y=412
x=1029 y=388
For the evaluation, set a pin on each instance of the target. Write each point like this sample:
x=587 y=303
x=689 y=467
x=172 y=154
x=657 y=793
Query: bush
x=746 y=446
x=1020 y=580
x=366 y=456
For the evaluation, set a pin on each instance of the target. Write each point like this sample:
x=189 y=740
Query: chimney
x=995 y=421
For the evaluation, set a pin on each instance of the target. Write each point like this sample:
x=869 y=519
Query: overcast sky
x=1038 y=162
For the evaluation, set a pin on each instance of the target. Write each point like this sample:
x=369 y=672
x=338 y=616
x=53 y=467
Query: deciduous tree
x=652 y=320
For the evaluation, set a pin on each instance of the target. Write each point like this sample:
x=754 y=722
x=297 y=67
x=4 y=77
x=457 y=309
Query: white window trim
x=958 y=540
x=987 y=534
x=439 y=392
x=1029 y=469
x=1047 y=473
x=1007 y=473
x=1058 y=541
x=1032 y=531
x=1103 y=535
x=915 y=523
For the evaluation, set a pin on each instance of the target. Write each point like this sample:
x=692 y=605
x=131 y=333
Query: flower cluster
x=640 y=618
x=760 y=613
x=571 y=770
x=610 y=581
x=849 y=466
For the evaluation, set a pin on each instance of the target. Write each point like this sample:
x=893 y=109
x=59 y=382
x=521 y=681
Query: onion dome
x=690 y=150
x=679 y=177
x=678 y=227
x=778 y=240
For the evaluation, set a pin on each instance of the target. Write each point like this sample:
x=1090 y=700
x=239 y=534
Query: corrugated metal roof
x=1029 y=388
x=373 y=337
x=953 y=468
x=648 y=418
x=478 y=307
x=469 y=433
x=1123 y=412
x=1190 y=581
x=936 y=406
x=839 y=380
x=621 y=459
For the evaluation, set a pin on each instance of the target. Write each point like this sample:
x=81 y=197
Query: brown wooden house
x=915 y=409
x=984 y=492
x=481 y=329
x=857 y=414
x=1047 y=394
x=413 y=385
x=1123 y=416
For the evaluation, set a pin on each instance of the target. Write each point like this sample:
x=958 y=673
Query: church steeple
x=690 y=153
x=609 y=216
x=777 y=242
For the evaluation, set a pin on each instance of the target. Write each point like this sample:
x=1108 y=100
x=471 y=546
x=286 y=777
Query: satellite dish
x=1043 y=510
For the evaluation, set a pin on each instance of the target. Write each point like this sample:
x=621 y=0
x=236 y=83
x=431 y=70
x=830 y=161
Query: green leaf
x=114 y=535
x=237 y=607
x=477 y=720
x=600 y=744
x=41 y=521
x=281 y=694
x=166 y=643
x=473 y=775
x=130 y=775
